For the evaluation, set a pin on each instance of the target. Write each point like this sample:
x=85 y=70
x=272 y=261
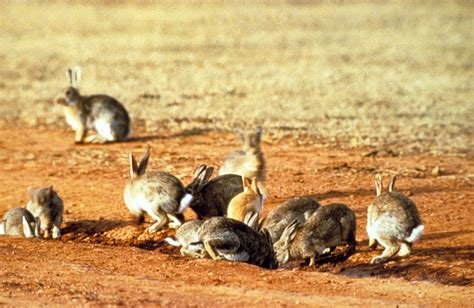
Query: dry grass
x=374 y=73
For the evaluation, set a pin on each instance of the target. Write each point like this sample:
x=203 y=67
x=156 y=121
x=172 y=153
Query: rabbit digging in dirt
x=20 y=222
x=101 y=113
x=248 y=201
x=392 y=218
x=46 y=204
x=159 y=194
x=329 y=226
x=232 y=240
x=298 y=208
x=187 y=238
x=249 y=161
x=211 y=197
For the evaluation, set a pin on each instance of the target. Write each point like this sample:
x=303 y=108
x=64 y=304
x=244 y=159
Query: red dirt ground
x=103 y=258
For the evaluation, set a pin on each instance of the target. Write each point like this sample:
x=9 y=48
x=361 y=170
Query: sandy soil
x=104 y=258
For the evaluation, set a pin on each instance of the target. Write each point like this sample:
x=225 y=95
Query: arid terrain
x=343 y=91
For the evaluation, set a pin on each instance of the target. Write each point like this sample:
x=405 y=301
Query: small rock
x=437 y=171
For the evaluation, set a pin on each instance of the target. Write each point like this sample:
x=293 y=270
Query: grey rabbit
x=101 y=113
x=46 y=204
x=232 y=240
x=211 y=197
x=20 y=222
x=187 y=238
x=160 y=194
x=392 y=218
x=329 y=226
x=297 y=208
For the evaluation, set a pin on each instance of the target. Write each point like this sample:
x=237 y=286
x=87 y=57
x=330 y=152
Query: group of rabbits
x=228 y=206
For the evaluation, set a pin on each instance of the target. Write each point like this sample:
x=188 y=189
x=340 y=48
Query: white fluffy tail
x=185 y=202
x=172 y=241
x=415 y=234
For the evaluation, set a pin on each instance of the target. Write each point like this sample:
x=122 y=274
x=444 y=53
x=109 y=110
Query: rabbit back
x=13 y=221
x=392 y=216
x=298 y=208
x=235 y=241
x=154 y=190
x=108 y=117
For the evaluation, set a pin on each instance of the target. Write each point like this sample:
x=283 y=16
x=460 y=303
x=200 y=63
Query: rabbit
x=299 y=208
x=211 y=197
x=232 y=240
x=20 y=222
x=187 y=238
x=101 y=113
x=159 y=194
x=249 y=161
x=328 y=227
x=392 y=218
x=248 y=201
x=47 y=205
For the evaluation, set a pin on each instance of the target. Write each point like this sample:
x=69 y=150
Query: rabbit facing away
x=159 y=194
x=232 y=240
x=20 y=222
x=211 y=197
x=46 y=204
x=298 y=208
x=392 y=218
x=329 y=226
x=100 y=113
x=187 y=238
x=249 y=161
x=248 y=201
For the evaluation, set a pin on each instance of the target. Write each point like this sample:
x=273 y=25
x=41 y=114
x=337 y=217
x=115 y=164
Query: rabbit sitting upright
x=392 y=218
x=20 y=222
x=328 y=227
x=249 y=161
x=101 y=113
x=159 y=194
x=45 y=203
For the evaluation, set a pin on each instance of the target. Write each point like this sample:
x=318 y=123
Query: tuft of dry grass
x=397 y=74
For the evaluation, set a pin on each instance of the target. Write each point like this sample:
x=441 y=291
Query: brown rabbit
x=46 y=204
x=248 y=201
x=249 y=161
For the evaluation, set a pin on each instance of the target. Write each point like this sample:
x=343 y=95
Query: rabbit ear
x=245 y=183
x=133 y=166
x=205 y=176
x=251 y=220
x=77 y=77
x=26 y=227
x=3 y=227
x=378 y=184
x=199 y=170
x=289 y=232
x=143 y=162
x=391 y=185
x=254 y=186
x=37 y=227
x=69 y=76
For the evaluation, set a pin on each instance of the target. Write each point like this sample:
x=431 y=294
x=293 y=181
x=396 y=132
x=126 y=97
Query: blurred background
x=382 y=73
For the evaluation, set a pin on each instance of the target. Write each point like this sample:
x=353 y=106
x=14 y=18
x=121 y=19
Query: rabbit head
x=41 y=196
x=71 y=94
x=202 y=175
x=251 y=140
x=282 y=246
